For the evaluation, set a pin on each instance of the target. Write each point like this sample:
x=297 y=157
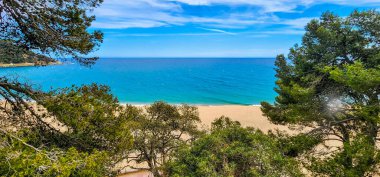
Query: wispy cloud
x=265 y=5
x=278 y=5
x=213 y=32
x=225 y=28
x=128 y=24
x=163 y=35
x=155 y=13
x=130 y=15
x=218 y=31
x=298 y=23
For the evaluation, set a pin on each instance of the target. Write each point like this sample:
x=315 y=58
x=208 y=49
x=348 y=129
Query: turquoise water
x=175 y=80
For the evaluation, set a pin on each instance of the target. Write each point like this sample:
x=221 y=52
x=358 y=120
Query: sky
x=210 y=28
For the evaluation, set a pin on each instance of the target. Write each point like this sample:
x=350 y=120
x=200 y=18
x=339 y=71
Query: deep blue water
x=175 y=80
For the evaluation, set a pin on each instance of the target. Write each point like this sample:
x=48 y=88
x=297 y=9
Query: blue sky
x=210 y=28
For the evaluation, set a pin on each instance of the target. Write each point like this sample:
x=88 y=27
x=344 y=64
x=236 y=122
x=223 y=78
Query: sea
x=197 y=81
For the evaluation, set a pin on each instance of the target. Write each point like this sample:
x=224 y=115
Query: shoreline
x=247 y=115
x=14 y=65
x=190 y=104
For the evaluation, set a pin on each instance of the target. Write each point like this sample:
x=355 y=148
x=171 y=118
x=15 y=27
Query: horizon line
x=177 y=57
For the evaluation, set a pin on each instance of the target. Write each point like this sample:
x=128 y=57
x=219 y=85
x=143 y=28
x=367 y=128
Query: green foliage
x=295 y=145
x=360 y=149
x=230 y=150
x=77 y=131
x=331 y=83
x=10 y=53
x=93 y=117
x=20 y=160
x=51 y=26
x=223 y=123
x=357 y=77
x=62 y=133
x=160 y=130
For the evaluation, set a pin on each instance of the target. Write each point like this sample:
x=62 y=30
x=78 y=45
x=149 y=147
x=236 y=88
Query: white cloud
x=128 y=24
x=298 y=23
x=218 y=31
x=166 y=34
x=266 y=5
x=284 y=31
x=155 y=13
x=352 y=3
x=273 y=3
x=279 y=5
x=215 y=32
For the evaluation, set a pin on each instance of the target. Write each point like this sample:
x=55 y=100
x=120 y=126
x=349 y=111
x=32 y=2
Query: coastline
x=191 y=104
x=13 y=65
x=247 y=115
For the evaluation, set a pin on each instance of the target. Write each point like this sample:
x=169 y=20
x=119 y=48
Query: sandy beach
x=248 y=116
x=12 y=65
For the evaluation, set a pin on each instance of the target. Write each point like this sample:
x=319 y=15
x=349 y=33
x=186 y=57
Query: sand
x=11 y=65
x=4 y=65
x=248 y=116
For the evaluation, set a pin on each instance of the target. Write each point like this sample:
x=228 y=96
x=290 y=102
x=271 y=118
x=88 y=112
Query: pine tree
x=331 y=82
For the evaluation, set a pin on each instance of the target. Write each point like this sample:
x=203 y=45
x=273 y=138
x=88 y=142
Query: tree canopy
x=230 y=150
x=10 y=53
x=70 y=131
x=159 y=130
x=331 y=82
x=51 y=26
x=21 y=160
x=78 y=131
x=92 y=117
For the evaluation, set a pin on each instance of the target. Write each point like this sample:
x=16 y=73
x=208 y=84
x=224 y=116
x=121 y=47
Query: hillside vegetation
x=329 y=84
x=12 y=54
